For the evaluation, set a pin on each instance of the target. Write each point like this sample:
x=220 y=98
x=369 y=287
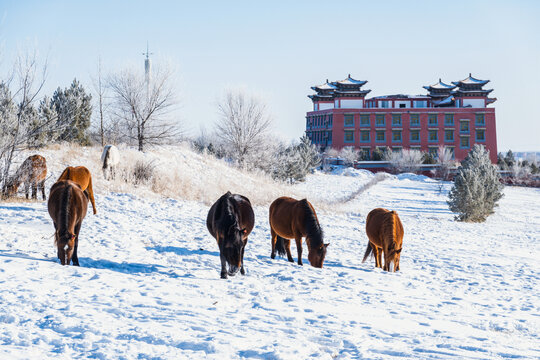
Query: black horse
x=230 y=221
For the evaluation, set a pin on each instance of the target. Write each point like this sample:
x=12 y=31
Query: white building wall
x=325 y=106
x=475 y=103
x=398 y=103
x=352 y=104
x=336 y=103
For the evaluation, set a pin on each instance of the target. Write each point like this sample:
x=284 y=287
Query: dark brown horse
x=67 y=208
x=385 y=233
x=230 y=221
x=81 y=176
x=293 y=219
x=32 y=174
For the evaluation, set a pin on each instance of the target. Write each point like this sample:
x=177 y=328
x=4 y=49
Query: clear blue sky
x=279 y=49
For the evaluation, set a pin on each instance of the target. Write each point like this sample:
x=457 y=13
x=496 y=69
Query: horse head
x=66 y=246
x=392 y=255
x=10 y=188
x=316 y=255
x=232 y=246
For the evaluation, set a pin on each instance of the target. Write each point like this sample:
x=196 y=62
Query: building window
x=432 y=135
x=329 y=137
x=432 y=119
x=364 y=136
x=480 y=120
x=396 y=119
x=464 y=142
x=380 y=136
x=415 y=120
x=349 y=120
x=464 y=126
x=449 y=119
x=364 y=120
x=451 y=149
x=415 y=148
x=433 y=151
x=480 y=135
x=448 y=135
x=364 y=154
x=349 y=136
x=384 y=104
x=420 y=104
x=379 y=120
x=396 y=135
x=415 y=135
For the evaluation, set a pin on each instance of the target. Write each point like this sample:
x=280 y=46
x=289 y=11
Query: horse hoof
x=242 y=271
x=224 y=275
x=273 y=256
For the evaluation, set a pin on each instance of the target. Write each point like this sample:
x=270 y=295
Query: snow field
x=149 y=287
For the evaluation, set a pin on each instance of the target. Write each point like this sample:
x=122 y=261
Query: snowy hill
x=149 y=287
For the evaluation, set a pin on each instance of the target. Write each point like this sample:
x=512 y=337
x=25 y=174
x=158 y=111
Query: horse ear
x=244 y=231
x=326 y=245
x=73 y=237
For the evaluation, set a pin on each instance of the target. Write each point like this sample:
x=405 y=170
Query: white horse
x=110 y=159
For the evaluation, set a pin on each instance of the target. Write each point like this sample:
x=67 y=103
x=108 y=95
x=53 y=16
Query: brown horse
x=385 y=233
x=31 y=173
x=67 y=208
x=293 y=219
x=230 y=221
x=81 y=176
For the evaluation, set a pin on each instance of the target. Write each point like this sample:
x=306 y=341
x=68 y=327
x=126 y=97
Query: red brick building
x=456 y=116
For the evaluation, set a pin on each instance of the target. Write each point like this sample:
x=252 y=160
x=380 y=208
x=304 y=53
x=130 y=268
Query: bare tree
x=145 y=107
x=244 y=125
x=18 y=115
x=100 y=89
x=445 y=161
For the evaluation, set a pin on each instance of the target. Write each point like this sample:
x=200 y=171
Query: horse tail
x=369 y=249
x=280 y=246
x=106 y=159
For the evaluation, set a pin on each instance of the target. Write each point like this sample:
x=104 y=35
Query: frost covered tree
x=309 y=154
x=74 y=110
x=349 y=154
x=445 y=161
x=289 y=166
x=145 y=107
x=405 y=160
x=243 y=125
x=477 y=187
x=509 y=159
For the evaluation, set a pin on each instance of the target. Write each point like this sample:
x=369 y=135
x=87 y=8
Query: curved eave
x=470 y=92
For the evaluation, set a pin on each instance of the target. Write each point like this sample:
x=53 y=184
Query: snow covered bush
x=405 y=160
x=293 y=163
x=477 y=187
x=349 y=154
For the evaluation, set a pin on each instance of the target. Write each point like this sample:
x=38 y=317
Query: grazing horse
x=230 y=221
x=67 y=207
x=294 y=219
x=385 y=233
x=110 y=159
x=32 y=174
x=81 y=176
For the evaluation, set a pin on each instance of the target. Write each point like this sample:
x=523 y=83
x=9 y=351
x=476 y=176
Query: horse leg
x=26 y=189
x=223 y=261
x=34 y=190
x=242 y=270
x=299 y=249
x=42 y=185
x=377 y=255
x=288 y=249
x=75 y=258
x=274 y=239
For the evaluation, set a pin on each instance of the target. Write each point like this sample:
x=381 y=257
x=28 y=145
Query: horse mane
x=389 y=227
x=64 y=210
x=225 y=208
x=312 y=227
x=106 y=159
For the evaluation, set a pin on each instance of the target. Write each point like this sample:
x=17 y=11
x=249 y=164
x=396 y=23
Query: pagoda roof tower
x=348 y=87
x=472 y=87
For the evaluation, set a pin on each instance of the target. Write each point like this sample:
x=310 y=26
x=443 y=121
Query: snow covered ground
x=148 y=286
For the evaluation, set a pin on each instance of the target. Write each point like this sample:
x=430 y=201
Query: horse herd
x=230 y=219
